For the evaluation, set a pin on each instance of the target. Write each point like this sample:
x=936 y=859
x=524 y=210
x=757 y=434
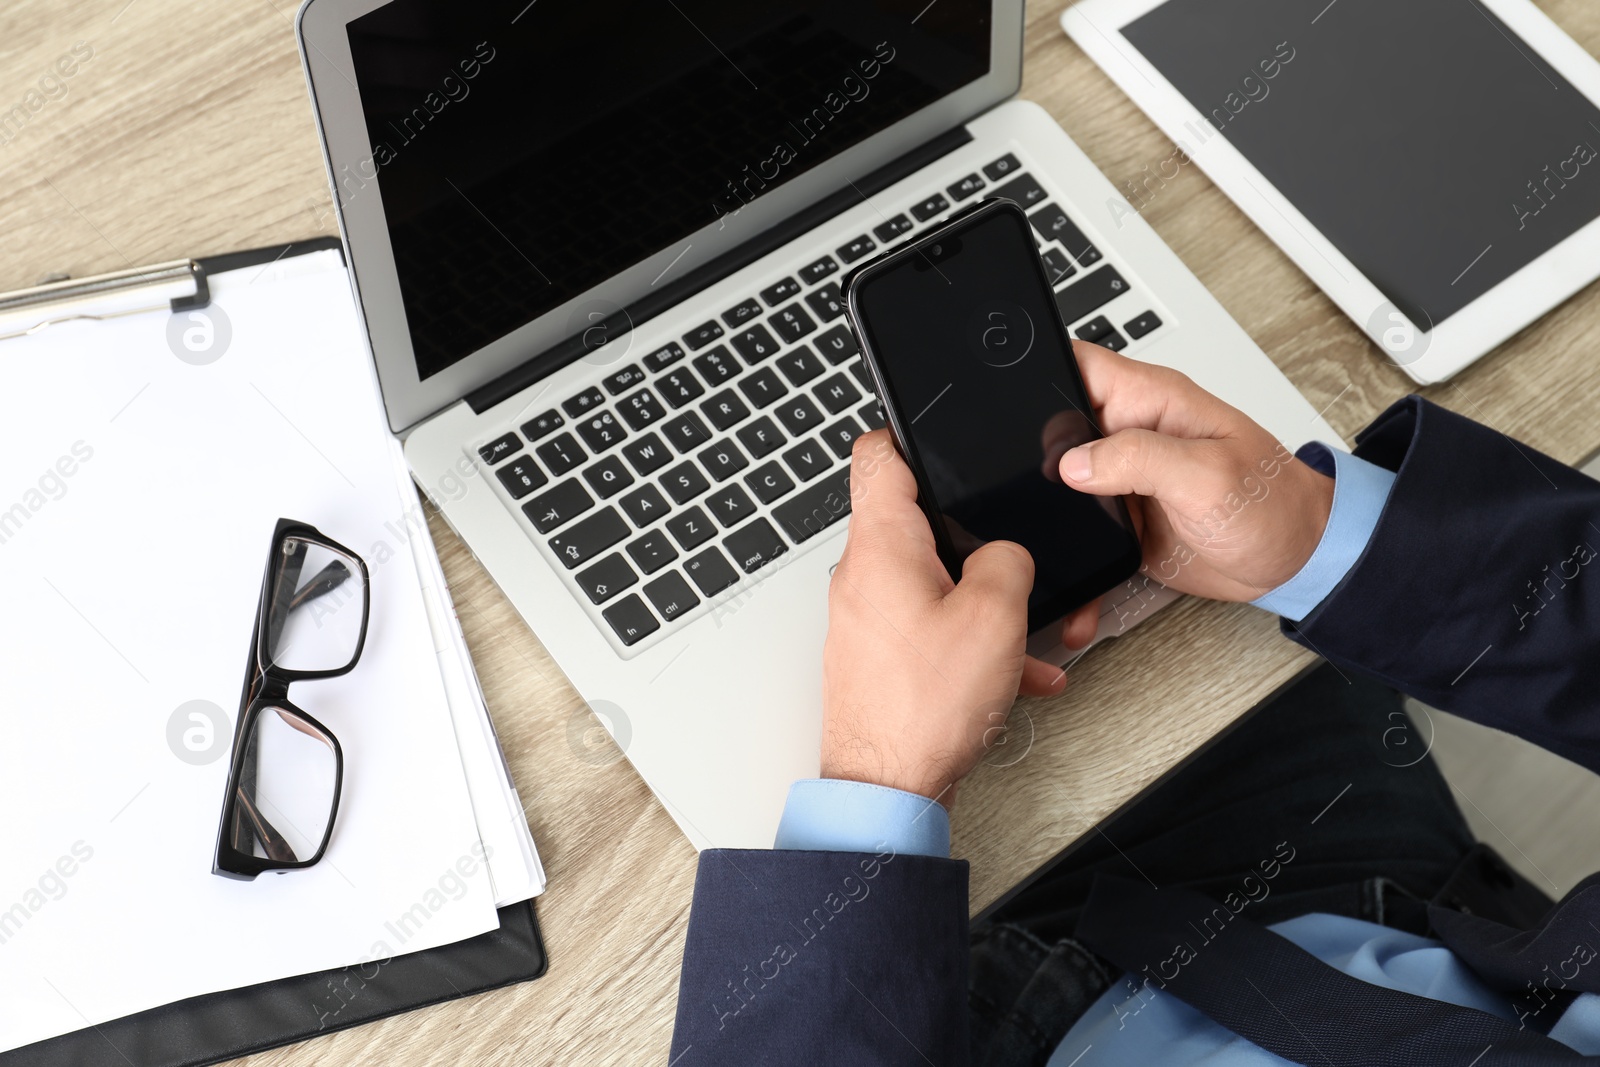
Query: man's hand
x=1223 y=509
x=919 y=673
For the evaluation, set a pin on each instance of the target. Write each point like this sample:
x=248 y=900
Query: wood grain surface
x=187 y=131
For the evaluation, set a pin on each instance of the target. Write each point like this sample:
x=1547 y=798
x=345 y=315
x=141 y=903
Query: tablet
x=1433 y=165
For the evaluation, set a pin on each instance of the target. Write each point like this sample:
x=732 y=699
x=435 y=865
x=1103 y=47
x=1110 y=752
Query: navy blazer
x=1476 y=594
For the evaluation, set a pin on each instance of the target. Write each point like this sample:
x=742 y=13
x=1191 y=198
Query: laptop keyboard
x=713 y=457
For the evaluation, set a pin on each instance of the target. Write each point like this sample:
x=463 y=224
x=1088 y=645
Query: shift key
x=589 y=538
x=1089 y=295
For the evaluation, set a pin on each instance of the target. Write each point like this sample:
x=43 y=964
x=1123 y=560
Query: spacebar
x=817 y=508
x=1091 y=294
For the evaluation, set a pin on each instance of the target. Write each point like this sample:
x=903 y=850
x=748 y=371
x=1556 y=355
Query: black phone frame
x=1095 y=584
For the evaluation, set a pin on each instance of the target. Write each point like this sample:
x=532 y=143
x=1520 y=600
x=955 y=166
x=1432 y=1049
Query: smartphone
x=974 y=368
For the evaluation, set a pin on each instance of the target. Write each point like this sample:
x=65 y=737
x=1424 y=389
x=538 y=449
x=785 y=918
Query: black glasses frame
x=266 y=687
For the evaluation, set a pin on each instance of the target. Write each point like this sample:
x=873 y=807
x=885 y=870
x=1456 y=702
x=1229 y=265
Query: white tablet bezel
x=325 y=54
x=1427 y=357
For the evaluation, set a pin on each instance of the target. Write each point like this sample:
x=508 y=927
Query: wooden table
x=187 y=131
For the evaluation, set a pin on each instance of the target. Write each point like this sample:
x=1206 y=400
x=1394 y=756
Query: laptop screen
x=526 y=152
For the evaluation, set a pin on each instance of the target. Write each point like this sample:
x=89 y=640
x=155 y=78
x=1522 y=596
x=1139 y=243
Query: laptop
x=597 y=251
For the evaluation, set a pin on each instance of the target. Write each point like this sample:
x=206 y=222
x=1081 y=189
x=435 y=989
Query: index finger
x=883 y=490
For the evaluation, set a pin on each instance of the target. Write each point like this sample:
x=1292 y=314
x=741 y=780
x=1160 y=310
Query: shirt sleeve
x=831 y=815
x=1360 y=490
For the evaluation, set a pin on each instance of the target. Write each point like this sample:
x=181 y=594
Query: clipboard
x=225 y=1025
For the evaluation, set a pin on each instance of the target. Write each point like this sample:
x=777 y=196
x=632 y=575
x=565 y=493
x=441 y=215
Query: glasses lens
x=318 y=600
x=287 y=786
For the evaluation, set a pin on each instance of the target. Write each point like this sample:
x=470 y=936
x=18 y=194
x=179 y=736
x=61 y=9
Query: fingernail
x=1077 y=465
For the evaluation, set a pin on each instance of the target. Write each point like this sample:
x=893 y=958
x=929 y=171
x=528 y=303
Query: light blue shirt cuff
x=830 y=815
x=1360 y=490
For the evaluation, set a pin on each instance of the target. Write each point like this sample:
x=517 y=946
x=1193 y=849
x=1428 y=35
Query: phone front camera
x=937 y=249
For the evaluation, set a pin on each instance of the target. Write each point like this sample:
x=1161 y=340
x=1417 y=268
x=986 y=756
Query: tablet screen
x=1424 y=139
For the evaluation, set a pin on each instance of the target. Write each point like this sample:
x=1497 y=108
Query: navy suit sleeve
x=1479 y=592
x=797 y=957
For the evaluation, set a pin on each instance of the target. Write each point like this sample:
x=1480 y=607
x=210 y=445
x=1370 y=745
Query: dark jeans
x=1331 y=774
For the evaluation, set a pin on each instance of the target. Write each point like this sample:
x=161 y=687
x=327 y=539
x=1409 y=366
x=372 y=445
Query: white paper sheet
x=138 y=492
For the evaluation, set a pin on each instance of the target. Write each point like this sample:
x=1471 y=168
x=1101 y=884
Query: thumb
x=1139 y=462
x=999 y=575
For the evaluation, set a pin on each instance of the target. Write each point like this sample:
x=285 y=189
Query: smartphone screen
x=978 y=379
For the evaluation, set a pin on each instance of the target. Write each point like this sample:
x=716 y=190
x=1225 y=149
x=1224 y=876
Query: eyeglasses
x=286 y=769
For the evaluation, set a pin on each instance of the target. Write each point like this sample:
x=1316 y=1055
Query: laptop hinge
x=668 y=296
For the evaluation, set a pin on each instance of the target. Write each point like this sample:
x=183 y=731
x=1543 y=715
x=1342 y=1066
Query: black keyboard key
x=600 y=431
x=760 y=437
x=691 y=528
x=522 y=477
x=587 y=538
x=671 y=595
x=686 y=432
x=792 y=323
x=807 y=460
x=1024 y=190
x=799 y=365
x=684 y=482
x=652 y=551
x=815 y=272
x=1090 y=293
x=631 y=620
x=717 y=365
x=768 y=482
x=644 y=505
x=1057 y=266
x=723 y=460
x=1094 y=329
x=730 y=505
x=799 y=415
x=647 y=453
x=584 y=401
x=724 y=409
x=641 y=409
x=826 y=302
x=625 y=379
x=711 y=571
x=1143 y=326
x=741 y=313
x=1089 y=255
x=664 y=357
x=1053 y=225
x=561 y=454
x=702 y=335
x=680 y=387
x=858 y=370
x=892 y=229
x=871 y=415
x=969 y=186
x=566 y=501
x=755 y=546
x=930 y=207
x=841 y=436
x=837 y=345
x=1114 y=341
x=607 y=578
x=543 y=425
x=500 y=448
x=763 y=387
x=816 y=508
x=608 y=477
x=836 y=393
x=858 y=247
x=755 y=345
x=779 y=291
x=1003 y=167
